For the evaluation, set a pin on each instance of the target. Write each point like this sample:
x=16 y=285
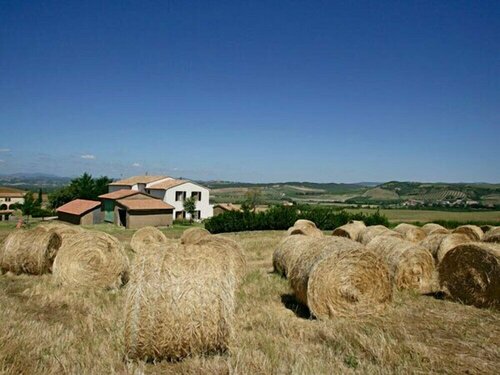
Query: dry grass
x=45 y=329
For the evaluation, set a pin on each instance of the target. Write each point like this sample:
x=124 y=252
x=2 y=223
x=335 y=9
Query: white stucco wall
x=204 y=206
x=5 y=200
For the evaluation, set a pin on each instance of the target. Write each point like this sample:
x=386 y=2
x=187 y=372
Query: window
x=180 y=196
x=179 y=215
x=197 y=215
x=196 y=195
x=7 y=199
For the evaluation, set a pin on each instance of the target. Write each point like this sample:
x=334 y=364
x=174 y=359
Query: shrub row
x=283 y=217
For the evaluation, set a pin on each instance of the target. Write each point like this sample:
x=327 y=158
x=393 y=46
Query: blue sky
x=252 y=90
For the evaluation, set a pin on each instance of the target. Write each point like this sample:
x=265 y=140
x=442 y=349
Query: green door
x=109 y=213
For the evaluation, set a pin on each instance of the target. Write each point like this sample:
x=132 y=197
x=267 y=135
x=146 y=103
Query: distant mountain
x=28 y=175
x=33 y=181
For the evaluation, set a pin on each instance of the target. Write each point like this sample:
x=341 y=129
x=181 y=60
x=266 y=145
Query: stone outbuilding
x=141 y=212
x=80 y=212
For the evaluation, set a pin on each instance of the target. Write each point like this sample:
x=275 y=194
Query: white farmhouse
x=172 y=191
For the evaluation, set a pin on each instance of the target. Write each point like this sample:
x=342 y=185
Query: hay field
x=49 y=330
x=408 y=216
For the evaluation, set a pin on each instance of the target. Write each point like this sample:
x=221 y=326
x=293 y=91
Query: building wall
x=204 y=206
x=141 y=219
x=5 y=200
x=69 y=218
x=92 y=217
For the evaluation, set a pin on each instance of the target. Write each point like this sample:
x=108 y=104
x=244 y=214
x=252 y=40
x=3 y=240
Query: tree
x=39 y=199
x=253 y=198
x=190 y=207
x=83 y=187
x=30 y=205
x=101 y=185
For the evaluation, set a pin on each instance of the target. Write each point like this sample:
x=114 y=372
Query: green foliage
x=351 y=361
x=83 y=187
x=32 y=207
x=30 y=204
x=252 y=198
x=190 y=206
x=39 y=199
x=283 y=217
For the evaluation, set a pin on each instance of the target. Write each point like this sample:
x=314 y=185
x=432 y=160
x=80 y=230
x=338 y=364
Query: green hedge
x=283 y=217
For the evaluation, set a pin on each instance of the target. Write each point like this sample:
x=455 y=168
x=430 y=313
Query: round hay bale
x=470 y=273
x=193 y=235
x=411 y=265
x=304 y=223
x=432 y=242
x=487 y=228
x=411 y=232
x=63 y=230
x=473 y=231
x=369 y=233
x=434 y=228
x=226 y=251
x=91 y=259
x=143 y=238
x=179 y=303
x=289 y=250
x=493 y=235
x=29 y=251
x=305 y=231
x=350 y=230
x=287 y=253
x=449 y=242
x=336 y=276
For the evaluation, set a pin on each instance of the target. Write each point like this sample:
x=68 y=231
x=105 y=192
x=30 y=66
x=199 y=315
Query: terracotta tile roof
x=227 y=206
x=237 y=207
x=165 y=185
x=144 y=204
x=78 y=206
x=138 y=180
x=119 y=194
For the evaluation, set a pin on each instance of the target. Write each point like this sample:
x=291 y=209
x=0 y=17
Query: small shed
x=80 y=211
x=109 y=201
x=138 y=213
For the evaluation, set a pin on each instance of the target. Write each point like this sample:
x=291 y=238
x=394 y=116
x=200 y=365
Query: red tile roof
x=119 y=194
x=228 y=206
x=11 y=195
x=138 y=180
x=165 y=185
x=78 y=206
x=144 y=204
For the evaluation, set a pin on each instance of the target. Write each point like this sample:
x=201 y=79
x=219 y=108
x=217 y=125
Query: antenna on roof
x=146 y=173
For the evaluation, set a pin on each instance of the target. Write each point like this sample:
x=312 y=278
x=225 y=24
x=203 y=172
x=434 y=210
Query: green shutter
x=109 y=211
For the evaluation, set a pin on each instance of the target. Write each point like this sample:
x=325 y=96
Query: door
x=123 y=217
x=109 y=213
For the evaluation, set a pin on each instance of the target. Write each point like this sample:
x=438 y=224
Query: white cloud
x=4 y=149
x=88 y=156
x=136 y=165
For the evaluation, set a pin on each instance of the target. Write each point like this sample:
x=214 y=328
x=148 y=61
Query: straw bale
x=350 y=230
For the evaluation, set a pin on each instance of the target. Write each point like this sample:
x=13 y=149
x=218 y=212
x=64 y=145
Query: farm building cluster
x=9 y=197
x=141 y=201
